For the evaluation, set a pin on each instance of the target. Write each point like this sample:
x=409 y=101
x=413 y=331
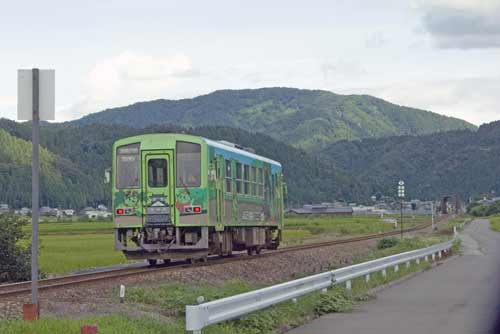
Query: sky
x=438 y=55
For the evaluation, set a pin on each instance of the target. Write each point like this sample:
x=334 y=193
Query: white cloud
x=129 y=78
x=8 y=106
x=472 y=99
x=463 y=24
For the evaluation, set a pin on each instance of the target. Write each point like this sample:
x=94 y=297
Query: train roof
x=233 y=149
x=218 y=144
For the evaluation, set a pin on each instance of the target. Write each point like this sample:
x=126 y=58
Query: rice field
x=71 y=246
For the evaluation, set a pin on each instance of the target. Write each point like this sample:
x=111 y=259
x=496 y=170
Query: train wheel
x=251 y=251
x=257 y=250
x=166 y=261
x=152 y=262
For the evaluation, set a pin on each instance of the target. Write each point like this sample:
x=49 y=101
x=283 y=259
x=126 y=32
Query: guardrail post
x=407 y=264
x=367 y=278
x=439 y=254
x=348 y=285
x=417 y=261
x=396 y=268
x=433 y=256
x=384 y=273
x=455 y=231
x=426 y=258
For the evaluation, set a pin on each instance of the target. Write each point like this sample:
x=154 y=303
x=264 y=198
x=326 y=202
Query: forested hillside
x=86 y=151
x=63 y=182
x=304 y=118
x=463 y=162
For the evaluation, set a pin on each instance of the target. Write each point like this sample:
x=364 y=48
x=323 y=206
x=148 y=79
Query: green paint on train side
x=230 y=209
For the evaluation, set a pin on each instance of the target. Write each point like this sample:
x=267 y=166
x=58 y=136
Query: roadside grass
x=114 y=324
x=299 y=229
x=448 y=226
x=495 y=223
x=170 y=299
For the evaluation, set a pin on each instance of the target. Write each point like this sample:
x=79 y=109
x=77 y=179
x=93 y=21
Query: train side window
x=260 y=181
x=253 y=179
x=229 y=176
x=239 y=178
x=267 y=186
x=246 y=176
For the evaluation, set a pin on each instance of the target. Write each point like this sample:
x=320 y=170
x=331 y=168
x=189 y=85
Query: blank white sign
x=46 y=91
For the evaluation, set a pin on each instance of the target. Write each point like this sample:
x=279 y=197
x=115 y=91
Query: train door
x=219 y=192
x=157 y=187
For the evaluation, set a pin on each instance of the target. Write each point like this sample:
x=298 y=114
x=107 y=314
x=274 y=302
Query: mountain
x=458 y=162
x=62 y=181
x=306 y=119
x=86 y=151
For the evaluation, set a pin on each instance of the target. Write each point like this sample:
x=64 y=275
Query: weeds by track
x=20 y=288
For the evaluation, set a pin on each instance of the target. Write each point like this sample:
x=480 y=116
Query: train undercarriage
x=160 y=242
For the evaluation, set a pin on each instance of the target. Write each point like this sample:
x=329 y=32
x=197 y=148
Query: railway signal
x=401 y=195
x=35 y=102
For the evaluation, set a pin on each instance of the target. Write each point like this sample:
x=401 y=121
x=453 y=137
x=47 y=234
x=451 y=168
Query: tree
x=15 y=251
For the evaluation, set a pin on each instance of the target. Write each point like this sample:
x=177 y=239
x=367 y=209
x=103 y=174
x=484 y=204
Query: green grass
x=65 y=253
x=70 y=246
x=170 y=299
x=495 y=223
x=115 y=324
x=66 y=247
x=448 y=226
x=298 y=229
x=65 y=228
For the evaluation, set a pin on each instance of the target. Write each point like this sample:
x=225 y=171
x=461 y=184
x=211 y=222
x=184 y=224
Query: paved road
x=460 y=296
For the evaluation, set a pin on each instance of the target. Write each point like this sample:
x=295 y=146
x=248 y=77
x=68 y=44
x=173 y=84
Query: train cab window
x=157 y=173
x=188 y=162
x=246 y=176
x=128 y=167
x=239 y=178
x=229 y=176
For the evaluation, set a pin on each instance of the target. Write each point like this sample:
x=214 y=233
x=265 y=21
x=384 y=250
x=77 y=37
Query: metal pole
x=35 y=191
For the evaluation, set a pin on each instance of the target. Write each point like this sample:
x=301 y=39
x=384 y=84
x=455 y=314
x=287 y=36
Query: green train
x=178 y=196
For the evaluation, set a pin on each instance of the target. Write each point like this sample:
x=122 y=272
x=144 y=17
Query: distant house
x=25 y=211
x=87 y=209
x=97 y=214
x=49 y=212
x=68 y=212
x=321 y=209
x=4 y=208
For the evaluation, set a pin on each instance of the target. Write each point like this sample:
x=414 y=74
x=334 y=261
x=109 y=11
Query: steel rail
x=75 y=279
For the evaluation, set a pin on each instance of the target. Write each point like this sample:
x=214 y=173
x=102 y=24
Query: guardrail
x=213 y=312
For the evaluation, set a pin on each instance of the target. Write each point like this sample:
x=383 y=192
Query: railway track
x=20 y=288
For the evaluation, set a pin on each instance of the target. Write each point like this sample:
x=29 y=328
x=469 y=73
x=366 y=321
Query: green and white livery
x=178 y=196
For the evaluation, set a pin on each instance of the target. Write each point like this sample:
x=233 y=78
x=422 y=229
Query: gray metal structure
x=213 y=312
x=35 y=188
